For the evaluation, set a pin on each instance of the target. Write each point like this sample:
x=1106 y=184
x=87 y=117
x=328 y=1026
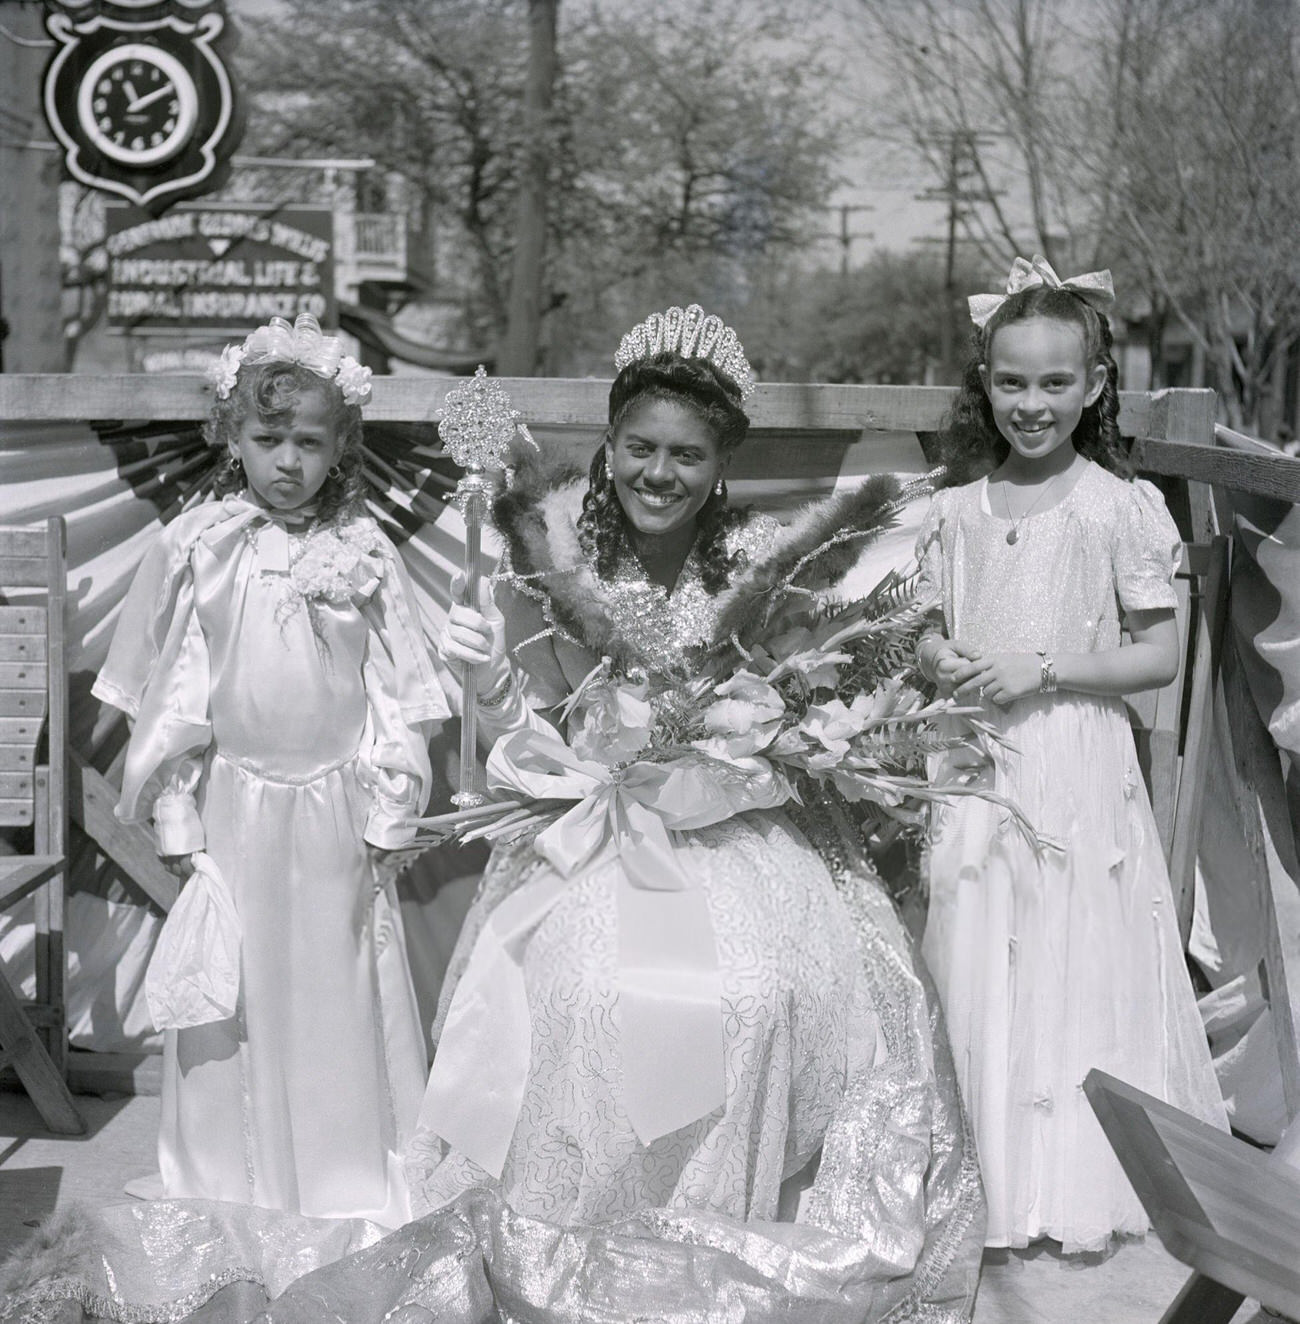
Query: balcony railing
x=379 y=239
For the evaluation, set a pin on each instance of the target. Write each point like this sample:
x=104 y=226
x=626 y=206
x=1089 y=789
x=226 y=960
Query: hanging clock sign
x=139 y=95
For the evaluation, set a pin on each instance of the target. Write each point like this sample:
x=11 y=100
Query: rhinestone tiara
x=688 y=332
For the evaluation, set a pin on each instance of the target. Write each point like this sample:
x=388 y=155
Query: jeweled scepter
x=476 y=426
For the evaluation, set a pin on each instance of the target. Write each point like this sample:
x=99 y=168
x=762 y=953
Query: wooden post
x=30 y=165
x=1209 y=619
x=524 y=314
x=1189 y=417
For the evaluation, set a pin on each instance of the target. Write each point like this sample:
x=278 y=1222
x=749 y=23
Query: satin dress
x=282 y=701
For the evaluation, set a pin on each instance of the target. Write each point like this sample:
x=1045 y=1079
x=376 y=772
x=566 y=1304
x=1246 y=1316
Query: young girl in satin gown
x=281 y=696
x=1055 y=961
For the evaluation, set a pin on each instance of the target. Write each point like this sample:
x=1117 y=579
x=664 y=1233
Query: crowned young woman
x=687 y=1065
x=684 y=1040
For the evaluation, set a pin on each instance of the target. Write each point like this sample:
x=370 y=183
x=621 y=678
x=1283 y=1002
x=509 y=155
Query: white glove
x=476 y=637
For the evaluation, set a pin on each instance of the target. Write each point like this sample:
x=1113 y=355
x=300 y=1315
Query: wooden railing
x=378 y=237
x=1174 y=431
x=1174 y=434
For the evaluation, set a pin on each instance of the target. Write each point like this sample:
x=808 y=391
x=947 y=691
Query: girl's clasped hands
x=962 y=671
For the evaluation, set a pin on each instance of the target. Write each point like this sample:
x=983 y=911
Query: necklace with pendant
x=1013 y=533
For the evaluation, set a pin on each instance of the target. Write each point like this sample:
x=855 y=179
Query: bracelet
x=1047 y=674
x=497 y=697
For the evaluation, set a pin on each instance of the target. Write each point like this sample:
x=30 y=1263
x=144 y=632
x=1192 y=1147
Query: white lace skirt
x=1049 y=965
x=797 y=1021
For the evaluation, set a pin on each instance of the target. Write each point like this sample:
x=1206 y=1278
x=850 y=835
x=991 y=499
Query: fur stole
x=537 y=519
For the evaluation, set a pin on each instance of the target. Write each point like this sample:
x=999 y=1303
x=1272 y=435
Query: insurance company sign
x=205 y=266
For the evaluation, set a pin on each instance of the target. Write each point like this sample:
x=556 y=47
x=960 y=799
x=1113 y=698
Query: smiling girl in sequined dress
x=1055 y=961
x=282 y=697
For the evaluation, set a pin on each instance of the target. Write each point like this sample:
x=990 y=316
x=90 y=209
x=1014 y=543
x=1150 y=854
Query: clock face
x=137 y=104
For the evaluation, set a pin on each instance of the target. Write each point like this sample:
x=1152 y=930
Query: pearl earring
x=720 y=487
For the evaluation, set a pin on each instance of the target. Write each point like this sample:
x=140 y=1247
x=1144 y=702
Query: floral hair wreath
x=303 y=343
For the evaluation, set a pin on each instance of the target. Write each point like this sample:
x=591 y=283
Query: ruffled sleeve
x=404 y=699
x=929 y=548
x=148 y=613
x=1146 y=550
x=158 y=672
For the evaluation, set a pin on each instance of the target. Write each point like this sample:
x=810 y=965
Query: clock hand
x=129 y=88
x=149 y=98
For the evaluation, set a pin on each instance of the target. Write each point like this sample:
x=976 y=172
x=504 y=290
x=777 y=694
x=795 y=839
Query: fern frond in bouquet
x=815 y=695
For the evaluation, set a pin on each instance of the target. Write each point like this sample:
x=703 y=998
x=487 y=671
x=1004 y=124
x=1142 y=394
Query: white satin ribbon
x=669 y=1006
x=272 y=541
x=1095 y=288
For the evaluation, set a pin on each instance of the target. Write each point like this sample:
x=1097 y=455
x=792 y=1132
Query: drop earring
x=720 y=487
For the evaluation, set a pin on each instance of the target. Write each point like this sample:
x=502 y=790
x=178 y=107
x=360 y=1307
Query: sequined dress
x=840 y=1147
x=1051 y=964
x=836 y=1182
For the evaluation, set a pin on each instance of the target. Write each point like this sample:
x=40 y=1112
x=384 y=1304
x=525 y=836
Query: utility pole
x=518 y=357
x=844 y=236
x=961 y=148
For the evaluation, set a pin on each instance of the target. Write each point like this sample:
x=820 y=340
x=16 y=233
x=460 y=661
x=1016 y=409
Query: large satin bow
x=272 y=543
x=669 y=1007
x=1095 y=288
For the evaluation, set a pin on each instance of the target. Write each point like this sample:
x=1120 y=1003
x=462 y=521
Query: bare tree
x=523 y=322
x=1209 y=173
x=1158 y=137
x=994 y=84
x=680 y=133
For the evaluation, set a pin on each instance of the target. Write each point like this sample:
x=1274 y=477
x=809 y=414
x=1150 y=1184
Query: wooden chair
x=1172 y=726
x=1227 y=1209
x=33 y=704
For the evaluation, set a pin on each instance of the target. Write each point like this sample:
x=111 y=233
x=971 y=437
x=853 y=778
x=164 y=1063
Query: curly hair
x=714 y=398
x=272 y=390
x=970 y=444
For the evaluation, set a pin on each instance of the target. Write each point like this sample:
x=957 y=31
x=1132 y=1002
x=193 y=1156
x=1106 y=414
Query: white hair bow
x=304 y=343
x=1095 y=288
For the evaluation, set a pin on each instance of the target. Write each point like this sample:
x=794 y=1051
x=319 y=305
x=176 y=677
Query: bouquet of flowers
x=802 y=696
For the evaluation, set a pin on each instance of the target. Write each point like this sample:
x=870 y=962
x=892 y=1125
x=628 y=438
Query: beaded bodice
x=661 y=628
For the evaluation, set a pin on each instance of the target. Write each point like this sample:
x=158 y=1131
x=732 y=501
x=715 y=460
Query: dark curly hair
x=713 y=397
x=969 y=442
x=272 y=391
